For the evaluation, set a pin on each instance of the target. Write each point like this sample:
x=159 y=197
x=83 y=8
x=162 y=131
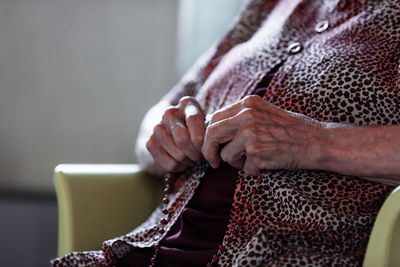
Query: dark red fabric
x=195 y=237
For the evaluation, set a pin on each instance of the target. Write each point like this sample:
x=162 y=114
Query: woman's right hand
x=176 y=141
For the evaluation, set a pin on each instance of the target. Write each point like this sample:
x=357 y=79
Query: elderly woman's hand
x=257 y=136
x=176 y=141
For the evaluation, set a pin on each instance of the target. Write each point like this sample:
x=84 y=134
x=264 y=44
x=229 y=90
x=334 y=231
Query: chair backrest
x=384 y=243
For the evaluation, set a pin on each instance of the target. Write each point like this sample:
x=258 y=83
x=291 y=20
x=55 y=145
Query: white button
x=294 y=48
x=322 y=26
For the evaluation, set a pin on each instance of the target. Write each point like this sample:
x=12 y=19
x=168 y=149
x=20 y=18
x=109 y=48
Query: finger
x=165 y=139
x=181 y=137
x=161 y=157
x=251 y=101
x=191 y=101
x=174 y=119
x=250 y=167
x=216 y=134
x=260 y=156
x=224 y=130
x=234 y=152
x=238 y=164
x=195 y=123
x=237 y=160
x=225 y=112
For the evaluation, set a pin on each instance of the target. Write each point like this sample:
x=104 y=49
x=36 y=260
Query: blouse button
x=341 y=5
x=294 y=48
x=322 y=26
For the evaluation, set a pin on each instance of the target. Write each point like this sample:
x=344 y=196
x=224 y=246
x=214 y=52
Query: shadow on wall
x=75 y=79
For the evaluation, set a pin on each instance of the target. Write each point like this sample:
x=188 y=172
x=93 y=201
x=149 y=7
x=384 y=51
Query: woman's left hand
x=256 y=136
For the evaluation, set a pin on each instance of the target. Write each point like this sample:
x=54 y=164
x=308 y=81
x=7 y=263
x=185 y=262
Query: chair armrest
x=97 y=202
x=384 y=242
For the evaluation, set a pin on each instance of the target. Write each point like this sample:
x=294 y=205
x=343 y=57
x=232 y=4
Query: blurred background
x=76 y=77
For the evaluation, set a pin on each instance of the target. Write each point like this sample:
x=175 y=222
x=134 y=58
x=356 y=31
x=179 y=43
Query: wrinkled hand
x=176 y=141
x=257 y=136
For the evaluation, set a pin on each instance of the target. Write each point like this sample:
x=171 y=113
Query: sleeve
x=249 y=19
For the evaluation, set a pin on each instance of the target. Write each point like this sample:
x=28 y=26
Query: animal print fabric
x=348 y=72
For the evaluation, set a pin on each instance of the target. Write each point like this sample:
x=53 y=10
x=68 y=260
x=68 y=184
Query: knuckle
x=251 y=100
x=197 y=139
x=182 y=140
x=159 y=128
x=252 y=149
x=227 y=157
x=249 y=132
x=195 y=118
x=248 y=113
x=150 y=146
x=216 y=115
x=211 y=130
x=186 y=99
x=170 y=112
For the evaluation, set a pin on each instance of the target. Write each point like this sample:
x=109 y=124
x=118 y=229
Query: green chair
x=97 y=202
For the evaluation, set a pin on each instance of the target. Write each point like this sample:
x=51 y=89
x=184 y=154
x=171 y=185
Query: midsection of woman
x=302 y=150
x=337 y=81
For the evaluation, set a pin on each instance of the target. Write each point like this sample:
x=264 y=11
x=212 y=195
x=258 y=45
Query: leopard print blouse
x=340 y=62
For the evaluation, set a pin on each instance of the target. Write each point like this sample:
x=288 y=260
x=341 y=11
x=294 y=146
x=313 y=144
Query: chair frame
x=100 y=201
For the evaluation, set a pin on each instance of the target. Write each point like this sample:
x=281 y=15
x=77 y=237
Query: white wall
x=76 y=77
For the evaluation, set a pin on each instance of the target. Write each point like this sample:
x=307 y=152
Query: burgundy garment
x=195 y=237
x=199 y=230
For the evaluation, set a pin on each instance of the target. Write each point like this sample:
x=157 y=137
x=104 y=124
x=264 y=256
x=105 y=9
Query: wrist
x=314 y=152
x=323 y=147
x=335 y=147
